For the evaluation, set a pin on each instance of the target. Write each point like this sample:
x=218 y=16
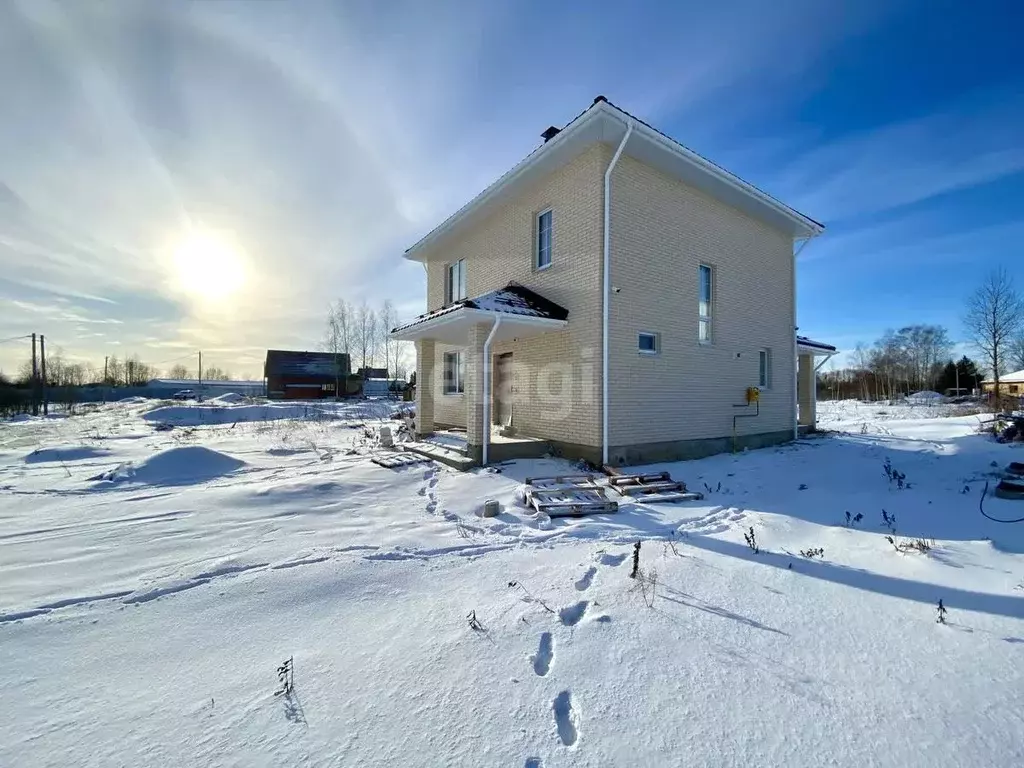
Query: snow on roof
x=1017 y=377
x=513 y=299
x=803 y=341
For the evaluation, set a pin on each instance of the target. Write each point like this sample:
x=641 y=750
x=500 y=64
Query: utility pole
x=35 y=379
x=105 y=359
x=42 y=357
x=200 y=368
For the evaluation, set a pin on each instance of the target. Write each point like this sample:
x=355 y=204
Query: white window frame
x=454 y=284
x=454 y=384
x=764 y=368
x=657 y=343
x=538 y=234
x=706 y=320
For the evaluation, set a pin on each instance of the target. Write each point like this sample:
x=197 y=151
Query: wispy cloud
x=970 y=143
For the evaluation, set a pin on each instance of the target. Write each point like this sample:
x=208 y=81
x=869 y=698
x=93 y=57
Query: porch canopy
x=808 y=350
x=806 y=346
x=522 y=312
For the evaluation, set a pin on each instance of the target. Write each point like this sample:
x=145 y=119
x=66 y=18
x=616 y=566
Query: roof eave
x=804 y=226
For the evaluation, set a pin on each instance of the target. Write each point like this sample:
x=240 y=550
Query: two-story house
x=618 y=296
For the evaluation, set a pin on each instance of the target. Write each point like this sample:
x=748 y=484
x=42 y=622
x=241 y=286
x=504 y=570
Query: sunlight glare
x=207 y=266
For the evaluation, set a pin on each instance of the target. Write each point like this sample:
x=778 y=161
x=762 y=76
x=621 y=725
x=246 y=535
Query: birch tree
x=995 y=317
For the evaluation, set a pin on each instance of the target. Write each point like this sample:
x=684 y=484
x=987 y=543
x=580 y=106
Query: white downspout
x=606 y=269
x=796 y=351
x=487 y=389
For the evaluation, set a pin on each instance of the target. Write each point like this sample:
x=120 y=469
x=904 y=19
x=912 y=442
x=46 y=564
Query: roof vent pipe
x=550 y=133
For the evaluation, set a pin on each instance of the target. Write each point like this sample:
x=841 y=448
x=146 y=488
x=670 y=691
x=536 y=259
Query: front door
x=503 y=389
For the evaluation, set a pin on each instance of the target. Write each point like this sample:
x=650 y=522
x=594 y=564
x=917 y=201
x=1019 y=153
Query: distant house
x=373 y=373
x=304 y=375
x=1010 y=384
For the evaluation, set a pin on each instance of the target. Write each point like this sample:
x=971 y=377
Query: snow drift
x=177 y=466
x=65 y=453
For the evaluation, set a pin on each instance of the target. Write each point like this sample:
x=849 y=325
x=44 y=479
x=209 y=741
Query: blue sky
x=315 y=141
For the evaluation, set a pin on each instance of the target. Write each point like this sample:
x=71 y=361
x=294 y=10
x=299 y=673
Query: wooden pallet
x=653 y=488
x=568 y=496
x=397 y=460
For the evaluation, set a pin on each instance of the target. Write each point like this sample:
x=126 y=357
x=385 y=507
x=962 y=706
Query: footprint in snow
x=586 y=579
x=566 y=719
x=533 y=762
x=545 y=655
x=612 y=560
x=572 y=615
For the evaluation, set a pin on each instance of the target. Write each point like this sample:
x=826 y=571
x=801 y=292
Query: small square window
x=647 y=343
x=542 y=257
x=454 y=373
x=764 y=377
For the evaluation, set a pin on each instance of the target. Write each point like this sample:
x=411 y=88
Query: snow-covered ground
x=152 y=580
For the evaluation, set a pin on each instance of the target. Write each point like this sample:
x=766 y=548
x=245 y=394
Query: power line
x=16 y=338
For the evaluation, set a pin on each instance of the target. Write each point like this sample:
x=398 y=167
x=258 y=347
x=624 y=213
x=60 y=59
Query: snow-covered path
x=142 y=617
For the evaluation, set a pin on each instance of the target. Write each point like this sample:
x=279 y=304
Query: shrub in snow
x=916 y=545
x=751 y=540
x=813 y=552
x=889 y=521
x=850 y=521
x=636 y=561
x=285 y=678
x=894 y=475
x=474 y=622
x=942 y=613
x=531 y=598
x=647 y=584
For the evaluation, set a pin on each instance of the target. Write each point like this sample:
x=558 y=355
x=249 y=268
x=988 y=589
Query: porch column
x=426 y=385
x=807 y=395
x=474 y=355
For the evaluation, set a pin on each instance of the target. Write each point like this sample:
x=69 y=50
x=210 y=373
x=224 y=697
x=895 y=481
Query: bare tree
x=1016 y=353
x=365 y=332
x=179 y=371
x=338 y=339
x=115 y=371
x=995 y=317
x=213 y=373
x=387 y=319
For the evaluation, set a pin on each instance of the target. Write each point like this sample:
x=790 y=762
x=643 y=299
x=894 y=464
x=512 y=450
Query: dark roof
x=513 y=299
x=806 y=342
x=596 y=100
x=282 y=362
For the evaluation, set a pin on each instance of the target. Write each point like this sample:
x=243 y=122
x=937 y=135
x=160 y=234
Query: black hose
x=981 y=508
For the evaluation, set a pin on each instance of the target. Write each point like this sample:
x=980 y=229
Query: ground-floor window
x=454 y=373
x=764 y=378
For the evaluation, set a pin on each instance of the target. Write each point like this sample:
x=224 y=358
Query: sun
x=208 y=266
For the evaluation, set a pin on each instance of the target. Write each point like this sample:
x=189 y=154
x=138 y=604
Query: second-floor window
x=542 y=258
x=705 y=303
x=455 y=282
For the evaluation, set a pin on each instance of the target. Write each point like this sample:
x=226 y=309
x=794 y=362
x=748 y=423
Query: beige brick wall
x=662 y=230
x=556 y=385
